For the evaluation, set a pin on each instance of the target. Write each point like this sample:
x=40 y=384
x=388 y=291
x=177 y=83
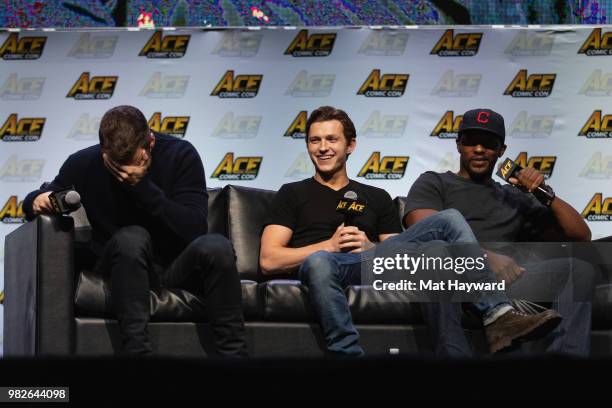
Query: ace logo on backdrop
x=527 y=44
x=531 y=86
x=457 y=45
x=22 y=130
x=94 y=46
x=85 y=128
x=384 y=126
x=233 y=126
x=385 y=43
x=12 y=211
x=448 y=126
x=598 y=208
x=94 y=88
x=460 y=85
x=315 y=45
x=301 y=167
x=448 y=162
x=311 y=85
x=597 y=44
x=170 y=125
x=25 y=170
x=387 y=168
x=297 y=128
x=544 y=164
x=597 y=84
x=387 y=85
x=598 y=167
x=165 y=86
x=242 y=168
x=239 y=86
x=15 y=88
x=596 y=126
x=238 y=44
x=531 y=126
x=25 y=48
x=169 y=46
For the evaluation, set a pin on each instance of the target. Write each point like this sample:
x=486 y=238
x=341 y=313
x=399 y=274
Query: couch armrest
x=39 y=288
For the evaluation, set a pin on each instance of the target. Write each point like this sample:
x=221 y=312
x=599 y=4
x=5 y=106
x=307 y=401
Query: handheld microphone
x=508 y=168
x=350 y=208
x=65 y=201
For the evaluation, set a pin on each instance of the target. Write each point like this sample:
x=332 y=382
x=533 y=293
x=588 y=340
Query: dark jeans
x=206 y=266
x=327 y=274
x=568 y=282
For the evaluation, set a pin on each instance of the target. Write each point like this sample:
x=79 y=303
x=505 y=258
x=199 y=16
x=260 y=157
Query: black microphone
x=65 y=201
x=508 y=168
x=350 y=208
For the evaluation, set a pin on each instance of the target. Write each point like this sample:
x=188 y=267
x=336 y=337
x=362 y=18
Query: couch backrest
x=246 y=210
x=217 y=211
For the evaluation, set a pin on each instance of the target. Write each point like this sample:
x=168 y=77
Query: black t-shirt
x=309 y=209
x=495 y=213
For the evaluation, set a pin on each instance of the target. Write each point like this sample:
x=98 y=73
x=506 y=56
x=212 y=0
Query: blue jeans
x=327 y=274
x=569 y=282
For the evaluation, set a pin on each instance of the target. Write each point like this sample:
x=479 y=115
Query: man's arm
x=275 y=257
x=37 y=202
x=503 y=266
x=572 y=224
x=424 y=198
x=417 y=215
x=382 y=237
x=184 y=210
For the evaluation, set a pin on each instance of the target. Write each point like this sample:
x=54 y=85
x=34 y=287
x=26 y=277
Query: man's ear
x=502 y=150
x=458 y=142
x=352 y=145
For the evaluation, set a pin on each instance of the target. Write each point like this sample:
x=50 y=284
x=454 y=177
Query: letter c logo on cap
x=483 y=117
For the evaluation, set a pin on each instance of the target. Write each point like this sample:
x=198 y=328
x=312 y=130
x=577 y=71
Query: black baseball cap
x=484 y=119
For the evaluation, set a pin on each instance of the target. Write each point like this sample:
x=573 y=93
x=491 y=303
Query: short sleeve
x=426 y=193
x=284 y=208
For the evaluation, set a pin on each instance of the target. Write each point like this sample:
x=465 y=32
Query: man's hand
x=528 y=179
x=130 y=174
x=350 y=239
x=504 y=267
x=42 y=204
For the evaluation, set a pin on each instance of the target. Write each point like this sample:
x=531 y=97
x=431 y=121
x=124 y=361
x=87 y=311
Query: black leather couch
x=55 y=305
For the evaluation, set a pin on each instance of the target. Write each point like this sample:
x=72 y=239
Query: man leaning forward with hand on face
x=146 y=200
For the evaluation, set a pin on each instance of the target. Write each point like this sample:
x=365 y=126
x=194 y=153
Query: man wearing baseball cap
x=500 y=214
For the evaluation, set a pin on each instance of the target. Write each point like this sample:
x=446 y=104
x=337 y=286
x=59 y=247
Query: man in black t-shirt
x=499 y=214
x=305 y=232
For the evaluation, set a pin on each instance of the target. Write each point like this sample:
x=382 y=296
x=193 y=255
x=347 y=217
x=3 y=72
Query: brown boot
x=514 y=326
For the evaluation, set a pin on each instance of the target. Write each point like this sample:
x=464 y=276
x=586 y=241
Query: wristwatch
x=545 y=194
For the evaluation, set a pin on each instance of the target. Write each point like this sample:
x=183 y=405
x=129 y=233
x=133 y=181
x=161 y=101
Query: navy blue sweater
x=171 y=201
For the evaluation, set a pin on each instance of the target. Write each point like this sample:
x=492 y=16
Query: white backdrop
x=36 y=75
